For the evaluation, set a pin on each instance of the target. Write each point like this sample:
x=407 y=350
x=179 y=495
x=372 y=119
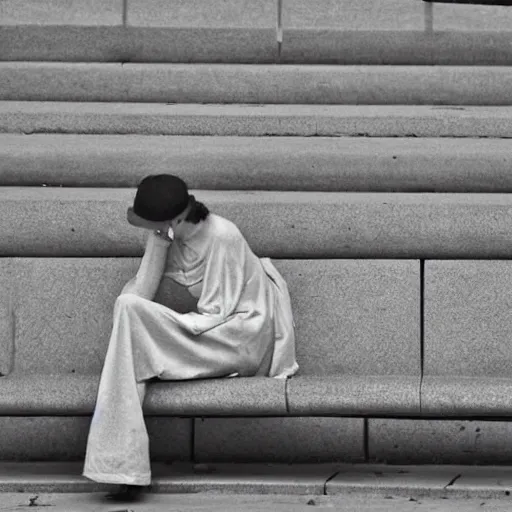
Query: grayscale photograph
x=256 y=255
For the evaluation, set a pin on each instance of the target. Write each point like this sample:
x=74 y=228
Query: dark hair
x=198 y=211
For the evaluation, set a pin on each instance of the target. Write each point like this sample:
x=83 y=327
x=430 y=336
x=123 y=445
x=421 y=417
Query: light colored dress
x=243 y=327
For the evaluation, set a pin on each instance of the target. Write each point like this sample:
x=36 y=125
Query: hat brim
x=139 y=222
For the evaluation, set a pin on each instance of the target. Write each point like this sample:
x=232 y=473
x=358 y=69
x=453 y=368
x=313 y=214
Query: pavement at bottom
x=214 y=502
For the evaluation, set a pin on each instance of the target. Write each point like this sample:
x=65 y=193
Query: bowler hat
x=159 y=198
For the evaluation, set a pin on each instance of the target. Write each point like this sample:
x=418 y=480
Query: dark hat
x=159 y=198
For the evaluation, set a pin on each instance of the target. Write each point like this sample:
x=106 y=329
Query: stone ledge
x=92 y=222
x=75 y=395
x=367 y=395
x=329 y=164
x=32 y=117
x=271 y=84
x=465 y=396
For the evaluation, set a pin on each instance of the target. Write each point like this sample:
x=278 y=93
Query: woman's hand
x=166 y=235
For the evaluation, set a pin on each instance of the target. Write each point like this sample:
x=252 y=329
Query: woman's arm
x=145 y=283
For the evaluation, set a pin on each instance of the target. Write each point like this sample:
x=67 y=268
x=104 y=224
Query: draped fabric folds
x=243 y=326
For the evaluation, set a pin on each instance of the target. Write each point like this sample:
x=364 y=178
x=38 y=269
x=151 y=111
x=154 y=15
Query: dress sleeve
x=223 y=284
x=145 y=283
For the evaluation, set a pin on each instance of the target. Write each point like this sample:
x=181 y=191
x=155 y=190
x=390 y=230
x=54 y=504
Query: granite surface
x=466 y=396
x=248 y=14
x=63 y=325
x=230 y=83
x=343 y=32
x=361 y=395
x=289 y=440
x=329 y=164
x=57 y=12
x=467 y=317
x=89 y=222
x=262 y=120
x=254 y=396
x=421 y=441
x=58 y=438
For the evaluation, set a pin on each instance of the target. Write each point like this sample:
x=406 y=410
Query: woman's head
x=163 y=201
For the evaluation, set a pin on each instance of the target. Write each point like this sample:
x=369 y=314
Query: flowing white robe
x=243 y=326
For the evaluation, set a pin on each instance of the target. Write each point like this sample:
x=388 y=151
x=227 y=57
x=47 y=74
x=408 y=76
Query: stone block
x=79 y=80
x=226 y=83
x=245 y=14
x=196 y=31
x=439 y=441
x=472 y=18
x=63 y=312
x=345 y=32
x=329 y=164
x=59 y=12
x=472 y=48
x=7 y=318
x=215 y=45
x=461 y=396
x=62 y=438
x=356 y=317
x=255 y=396
x=279 y=440
x=66 y=43
x=89 y=222
x=366 y=395
x=467 y=317
x=369 y=15
x=75 y=395
x=30 y=394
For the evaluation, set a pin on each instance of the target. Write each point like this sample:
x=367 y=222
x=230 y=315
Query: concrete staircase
x=325 y=131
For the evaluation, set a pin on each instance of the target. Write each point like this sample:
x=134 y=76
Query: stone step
x=47 y=221
x=270 y=84
x=260 y=163
x=331 y=31
x=397 y=32
x=255 y=120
